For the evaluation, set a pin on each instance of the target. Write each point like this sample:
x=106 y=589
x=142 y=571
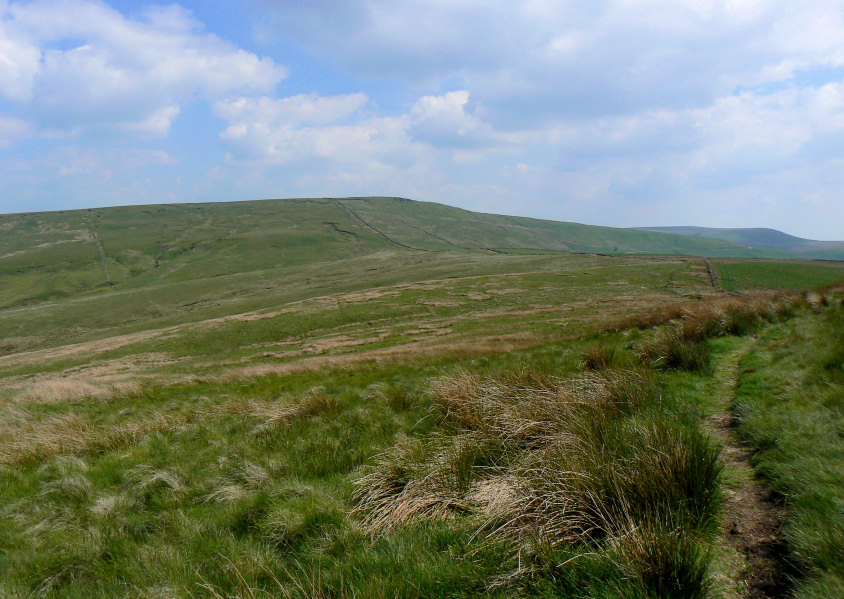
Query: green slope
x=52 y=255
x=435 y=226
x=769 y=239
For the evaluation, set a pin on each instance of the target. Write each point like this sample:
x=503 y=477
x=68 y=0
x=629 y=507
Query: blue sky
x=721 y=113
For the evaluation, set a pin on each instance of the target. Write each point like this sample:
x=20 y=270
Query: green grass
x=255 y=488
x=751 y=275
x=48 y=256
x=790 y=402
x=200 y=426
x=229 y=488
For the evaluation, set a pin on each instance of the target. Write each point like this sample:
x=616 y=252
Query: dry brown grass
x=38 y=439
x=54 y=391
x=100 y=380
x=529 y=408
x=87 y=348
x=417 y=351
x=399 y=489
x=712 y=316
x=492 y=420
x=541 y=461
x=598 y=357
x=684 y=345
x=25 y=437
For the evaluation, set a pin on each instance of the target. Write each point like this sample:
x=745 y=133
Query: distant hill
x=52 y=255
x=769 y=239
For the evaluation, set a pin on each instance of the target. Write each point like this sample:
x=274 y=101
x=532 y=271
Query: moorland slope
x=53 y=255
x=764 y=239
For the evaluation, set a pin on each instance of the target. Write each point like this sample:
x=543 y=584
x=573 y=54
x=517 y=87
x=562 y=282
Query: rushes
x=667 y=563
x=636 y=475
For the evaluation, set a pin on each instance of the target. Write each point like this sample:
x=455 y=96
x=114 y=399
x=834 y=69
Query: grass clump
x=671 y=349
x=683 y=345
x=718 y=315
x=664 y=564
x=598 y=357
x=595 y=461
x=400 y=396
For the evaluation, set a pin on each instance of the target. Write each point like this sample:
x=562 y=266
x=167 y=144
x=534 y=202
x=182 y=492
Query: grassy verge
x=790 y=401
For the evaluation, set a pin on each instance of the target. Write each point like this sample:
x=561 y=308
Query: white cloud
x=106 y=164
x=156 y=124
x=305 y=109
x=336 y=129
x=531 y=61
x=443 y=121
x=80 y=63
x=19 y=62
x=12 y=130
x=299 y=128
x=623 y=112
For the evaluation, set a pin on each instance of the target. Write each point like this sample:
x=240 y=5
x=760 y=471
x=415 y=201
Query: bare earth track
x=753 y=514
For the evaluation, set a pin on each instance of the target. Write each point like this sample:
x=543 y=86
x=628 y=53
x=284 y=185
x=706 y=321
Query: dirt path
x=753 y=514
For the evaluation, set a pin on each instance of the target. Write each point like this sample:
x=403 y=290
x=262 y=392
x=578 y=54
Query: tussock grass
x=525 y=484
x=73 y=433
x=79 y=389
x=592 y=461
x=625 y=476
x=525 y=408
x=598 y=357
x=683 y=344
x=718 y=315
x=671 y=349
x=664 y=563
x=282 y=412
x=400 y=396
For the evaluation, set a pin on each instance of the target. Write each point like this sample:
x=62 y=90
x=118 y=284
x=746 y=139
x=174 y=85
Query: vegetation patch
x=597 y=461
x=248 y=411
x=684 y=346
x=778 y=274
x=791 y=406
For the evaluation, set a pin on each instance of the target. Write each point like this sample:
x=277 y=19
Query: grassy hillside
x=368 y=398
x=782 y=244
x=53 y=255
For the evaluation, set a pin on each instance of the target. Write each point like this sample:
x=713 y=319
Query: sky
x=718 y=113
